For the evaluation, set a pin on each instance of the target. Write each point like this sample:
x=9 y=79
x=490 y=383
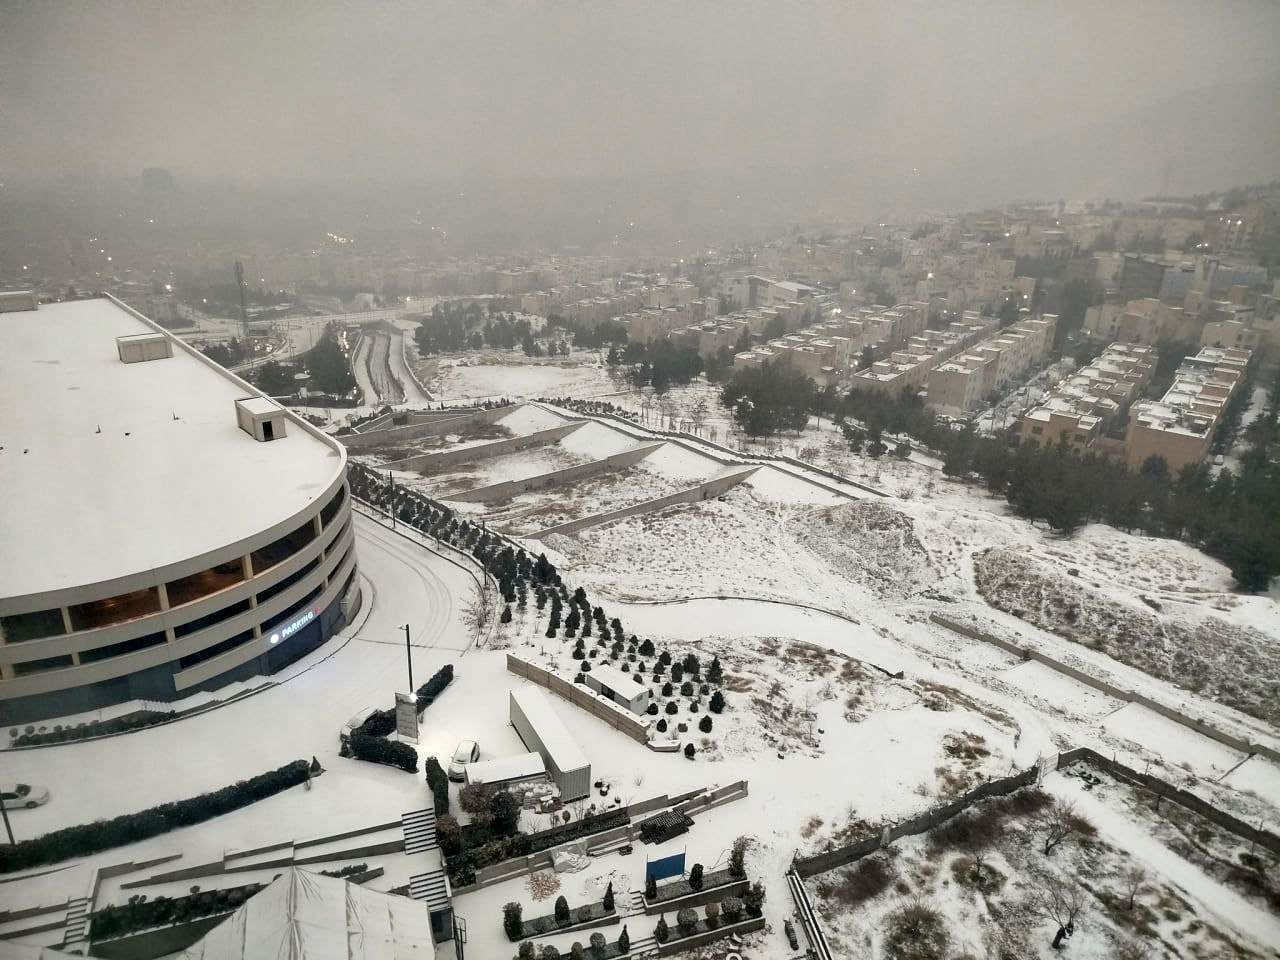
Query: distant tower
x=244 y=313
x=1167 y=176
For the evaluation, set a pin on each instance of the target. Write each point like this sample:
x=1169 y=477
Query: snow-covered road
x=298 y=717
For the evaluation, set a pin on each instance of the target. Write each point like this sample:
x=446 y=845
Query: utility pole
x=408 y=654
x=244 y=311
x=4 y=812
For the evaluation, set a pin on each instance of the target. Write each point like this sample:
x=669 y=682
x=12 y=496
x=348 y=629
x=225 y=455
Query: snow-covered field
x=477 y=375
x=811 y=601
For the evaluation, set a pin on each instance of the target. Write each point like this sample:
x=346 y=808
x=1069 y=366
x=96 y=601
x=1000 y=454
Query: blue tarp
x=672 y=866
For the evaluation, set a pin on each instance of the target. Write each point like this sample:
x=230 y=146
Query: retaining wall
x=157 y=942
x=702 y=939
x=922 y=823
x=703 y=491
x=1182 y=798
x=820 y=863
x=512 y=488
x=428 y=428
x=696 y=899
x=617 y=717
x=482 y=451
x=698 y=444
x=1120 y=693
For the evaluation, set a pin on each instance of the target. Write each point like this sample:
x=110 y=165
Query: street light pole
x=4 y=812
x=408 y=653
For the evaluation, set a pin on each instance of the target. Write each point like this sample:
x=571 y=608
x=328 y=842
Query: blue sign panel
x=672 y=866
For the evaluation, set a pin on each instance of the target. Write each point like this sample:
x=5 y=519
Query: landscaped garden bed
x=715 y=885
x=719 y=919
x=566 y=919
x=32 y=737
x=598 y=948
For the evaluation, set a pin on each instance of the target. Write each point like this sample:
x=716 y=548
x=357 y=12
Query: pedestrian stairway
x=419 y=829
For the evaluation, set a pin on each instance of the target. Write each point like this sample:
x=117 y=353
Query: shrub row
x=428 y=692
x=392 y=753
x=143 y=914
x=462 y=866
x=89 y=838
x=94 y=728
x=438 y=784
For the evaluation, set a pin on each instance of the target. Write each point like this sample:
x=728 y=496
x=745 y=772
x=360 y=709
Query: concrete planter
x=702 y=937
x=696 y=899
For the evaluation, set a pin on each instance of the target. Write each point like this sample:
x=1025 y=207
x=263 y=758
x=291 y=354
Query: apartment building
x=908 y=368
x=963 y=382
x=1083 y=406
x=1180 y=425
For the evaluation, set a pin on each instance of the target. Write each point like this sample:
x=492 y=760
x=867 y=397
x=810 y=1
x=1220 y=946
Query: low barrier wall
x=1246 y=831
x=511 y=488
x=615 y=716
x=703 y=491
x=1120 y=693
x=483 y=451
x=692 y=442
x=429 y=428
x=924 y=822
x=684 y=944
x=157 y=942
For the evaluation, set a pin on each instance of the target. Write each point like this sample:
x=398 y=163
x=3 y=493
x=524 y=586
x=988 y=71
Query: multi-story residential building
x=908 y=368
x=1083 y=406
x=962 y=382
x=1179 y=426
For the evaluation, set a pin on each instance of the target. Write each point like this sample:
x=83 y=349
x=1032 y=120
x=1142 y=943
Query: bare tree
x=1061 y=901
x=1059 y=823
x=1131 y=949
x=477 y=613
x=1135 y=878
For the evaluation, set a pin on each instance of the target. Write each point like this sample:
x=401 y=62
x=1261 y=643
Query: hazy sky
x=391 y=92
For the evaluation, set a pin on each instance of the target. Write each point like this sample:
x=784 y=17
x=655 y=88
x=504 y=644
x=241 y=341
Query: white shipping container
x=542 y=731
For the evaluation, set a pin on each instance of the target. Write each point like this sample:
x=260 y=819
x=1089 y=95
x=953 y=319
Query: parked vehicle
x=355 y=723
x=15 y=795
x=468 y=752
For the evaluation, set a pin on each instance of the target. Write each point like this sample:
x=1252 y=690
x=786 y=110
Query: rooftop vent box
x=260 y=418
x=139 y=347
x=12 y=301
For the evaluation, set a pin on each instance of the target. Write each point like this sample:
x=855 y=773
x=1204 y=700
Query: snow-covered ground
x=483 y=374
x=808 y=601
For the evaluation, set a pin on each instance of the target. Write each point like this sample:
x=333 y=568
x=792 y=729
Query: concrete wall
x=699 y=446
x=511 y=488
x=482 y=451
x=703 y=491
x=580 y=696
x=820 y=863
x=430 y=428
x=1120 y=693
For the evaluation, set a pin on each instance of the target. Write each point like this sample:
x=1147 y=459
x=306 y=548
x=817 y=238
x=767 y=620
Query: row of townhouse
x=1085 y=405
x=828 y=349
x=963 y=382
x=908 y=368
x=1180 y=425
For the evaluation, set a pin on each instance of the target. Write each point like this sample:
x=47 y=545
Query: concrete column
x=163 y=590
x=6 y=671
x=66 y=620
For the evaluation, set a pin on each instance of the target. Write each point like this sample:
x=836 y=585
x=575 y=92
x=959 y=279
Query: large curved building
x=164 y=528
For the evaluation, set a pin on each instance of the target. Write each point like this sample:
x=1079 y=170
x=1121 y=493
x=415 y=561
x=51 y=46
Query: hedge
x=143 y=914
x=428 y=692
x=95 y=728
x=462 y=866
x=438 y=784
x=389 y=752
x=89 y=838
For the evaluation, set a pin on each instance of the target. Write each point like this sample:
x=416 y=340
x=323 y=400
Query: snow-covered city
x=891 y=577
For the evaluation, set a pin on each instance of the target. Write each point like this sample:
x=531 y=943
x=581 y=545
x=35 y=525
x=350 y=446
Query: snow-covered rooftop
x=112 y=468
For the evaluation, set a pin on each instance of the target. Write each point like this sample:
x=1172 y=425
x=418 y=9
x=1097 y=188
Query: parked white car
x=468 y=752
x=15 y=795
x=355 y=723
